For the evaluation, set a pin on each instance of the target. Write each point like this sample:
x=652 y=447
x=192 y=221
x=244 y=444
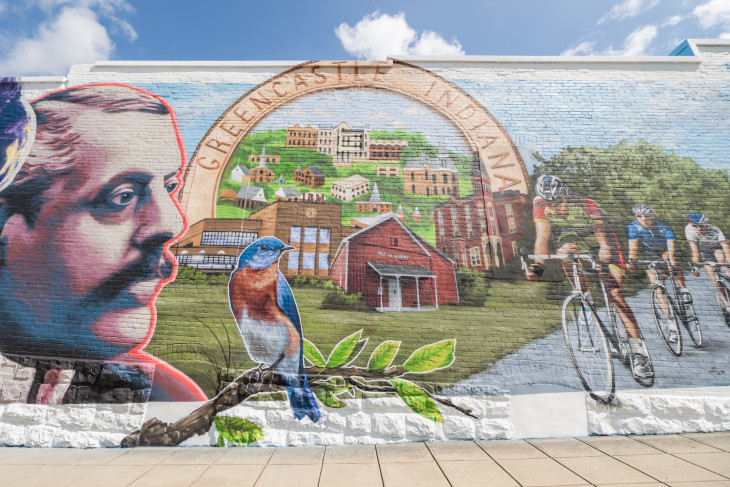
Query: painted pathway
x=545 y=365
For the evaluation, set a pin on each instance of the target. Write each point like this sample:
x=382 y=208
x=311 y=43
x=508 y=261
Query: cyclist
x=659 y=244
x=582 y=227
x=708 y=244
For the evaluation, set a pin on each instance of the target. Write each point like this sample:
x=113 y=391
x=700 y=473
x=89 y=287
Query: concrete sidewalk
x=701 y=459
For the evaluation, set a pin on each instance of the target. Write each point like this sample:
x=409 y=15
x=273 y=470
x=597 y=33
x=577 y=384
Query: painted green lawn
x=516 y=313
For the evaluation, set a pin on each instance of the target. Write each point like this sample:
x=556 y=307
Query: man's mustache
x=153 y=264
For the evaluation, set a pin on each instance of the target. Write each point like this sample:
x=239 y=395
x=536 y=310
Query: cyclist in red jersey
x=581 y=227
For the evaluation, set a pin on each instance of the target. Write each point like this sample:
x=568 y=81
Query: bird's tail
x=301 y=397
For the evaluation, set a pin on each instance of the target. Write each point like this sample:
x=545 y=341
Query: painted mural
x=344 y=231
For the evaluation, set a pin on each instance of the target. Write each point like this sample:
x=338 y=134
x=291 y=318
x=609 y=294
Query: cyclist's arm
x=671 y=250
x=726 y=249
x=633 y=252
x=542 y=247
x=695 y=250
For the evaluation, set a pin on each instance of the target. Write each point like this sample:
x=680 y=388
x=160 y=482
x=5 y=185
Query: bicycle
x=588 y=336
x=722 y=288
x=670 y=309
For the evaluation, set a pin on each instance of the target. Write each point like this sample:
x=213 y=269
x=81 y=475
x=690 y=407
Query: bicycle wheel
x=692 y=324
x=588 y=348
x=666 y=323
x=620 y=340
x=723 y=291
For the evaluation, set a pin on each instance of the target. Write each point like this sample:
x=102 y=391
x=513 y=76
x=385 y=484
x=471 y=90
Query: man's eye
x=171 y=186
x=122 y=198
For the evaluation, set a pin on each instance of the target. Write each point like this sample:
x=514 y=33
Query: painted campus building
x=395 y=269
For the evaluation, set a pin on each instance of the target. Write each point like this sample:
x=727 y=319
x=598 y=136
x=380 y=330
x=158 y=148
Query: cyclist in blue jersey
x=658 y=242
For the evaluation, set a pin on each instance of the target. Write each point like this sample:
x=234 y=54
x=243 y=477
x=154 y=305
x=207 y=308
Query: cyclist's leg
x=614 y=286
x=721 y=259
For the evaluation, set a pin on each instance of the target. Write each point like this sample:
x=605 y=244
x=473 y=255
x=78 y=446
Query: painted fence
x=361 y=252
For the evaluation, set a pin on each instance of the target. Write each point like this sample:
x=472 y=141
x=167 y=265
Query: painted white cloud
x=714 y=13
x=636 y=44
x=378 y=35
x=627 y=9
x=673 y=20
x=72 y=33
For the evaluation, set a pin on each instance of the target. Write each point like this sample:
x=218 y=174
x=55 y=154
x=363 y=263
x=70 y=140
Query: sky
x=45 y=37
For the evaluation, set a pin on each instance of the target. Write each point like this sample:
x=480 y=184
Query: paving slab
x=540 y=472
x=665 y=468
x=108 y=476
x=510 y=450
x=229 y=476
x=245 y=456
x=715 y=462
x=605 y=470
x=290 y=475
x=619 y=445
x=565 y=447
x=715 y=483
x=37 y=475
x=720 y=441
x=476 y=473
x=303 y=455
x=456 y=450
x=351 y=475
x=351 y=454
x=58 y=456
x=193 y=456
x=675 y=444
x=414 y=474
x=143 y=456
x=170 y=476
x=404 y=452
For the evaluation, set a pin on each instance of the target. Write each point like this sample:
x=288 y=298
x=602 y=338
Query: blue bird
x=268 y=319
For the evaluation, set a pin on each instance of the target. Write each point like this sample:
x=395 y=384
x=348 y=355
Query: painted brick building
x=311 y=176
x=395 y=269
x=302 y=137
x=431 y=176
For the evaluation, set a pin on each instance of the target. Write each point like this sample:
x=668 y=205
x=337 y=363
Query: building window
x=468 y=222
x=307 y=260
x=310 y=235
x=433 y=178
x=446 y=178
x=413 y=187
x=456 y=254
x=440 y=217
x=454 y=222
x=515 y=250
x=425 y=175
x=474 y=256
x=442 y=233
x=393 y=241
x=324 y=235
x=295 y=234
x=226 y=239
x=293 y=260
x=324 y=261
x=428 y=191
x=510 y=218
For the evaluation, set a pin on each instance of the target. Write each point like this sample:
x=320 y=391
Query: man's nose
x=159 y=217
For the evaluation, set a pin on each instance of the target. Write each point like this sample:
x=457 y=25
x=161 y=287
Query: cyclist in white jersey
x=708 y=244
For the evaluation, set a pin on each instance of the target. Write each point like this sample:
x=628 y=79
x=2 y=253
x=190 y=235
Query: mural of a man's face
x=81 y=279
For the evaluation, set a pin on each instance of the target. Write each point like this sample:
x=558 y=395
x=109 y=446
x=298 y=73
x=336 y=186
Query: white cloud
x=378 y=35
x=673 y=20
x=71 y=34
x=3 y=6
x=635 y=44
x=714 y=13
x=627 y=9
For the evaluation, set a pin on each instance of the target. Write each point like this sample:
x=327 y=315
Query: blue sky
x=47 y=36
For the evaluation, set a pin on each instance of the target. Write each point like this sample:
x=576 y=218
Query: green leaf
x=431 y=357
x=416 y=399
x=343 y=350
x=383 y=356
x=312 y=353
x=221 y=441
x=328 y=398
x=357 y=351
x=238 y=430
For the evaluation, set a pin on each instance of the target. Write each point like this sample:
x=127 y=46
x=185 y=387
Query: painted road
x=545 y=365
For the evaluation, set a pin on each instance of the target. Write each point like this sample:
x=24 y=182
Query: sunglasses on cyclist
x=645 y=215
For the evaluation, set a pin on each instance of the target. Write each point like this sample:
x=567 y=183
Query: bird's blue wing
x=285 y=299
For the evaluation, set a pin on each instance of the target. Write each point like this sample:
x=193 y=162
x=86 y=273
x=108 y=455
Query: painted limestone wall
x=355 y=252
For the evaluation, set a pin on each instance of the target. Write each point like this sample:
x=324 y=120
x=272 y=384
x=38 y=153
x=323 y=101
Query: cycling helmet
x=641 y=209
x=697 y=218
x=550 y=188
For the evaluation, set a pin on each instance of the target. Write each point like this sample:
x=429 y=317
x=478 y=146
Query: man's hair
x=53 y=153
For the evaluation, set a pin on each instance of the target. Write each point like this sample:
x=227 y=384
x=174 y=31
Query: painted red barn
x=395 y=269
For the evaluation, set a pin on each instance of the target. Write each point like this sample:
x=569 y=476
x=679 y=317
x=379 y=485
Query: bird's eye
x=264 y=247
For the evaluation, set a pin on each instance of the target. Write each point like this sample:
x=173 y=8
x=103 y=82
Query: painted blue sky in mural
x=47 y=36
x=670 y=117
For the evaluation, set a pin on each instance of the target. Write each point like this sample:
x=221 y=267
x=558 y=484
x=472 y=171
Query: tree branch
x=255 y=381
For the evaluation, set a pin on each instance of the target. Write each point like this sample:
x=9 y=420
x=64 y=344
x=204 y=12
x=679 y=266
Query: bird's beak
x=287 y=247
